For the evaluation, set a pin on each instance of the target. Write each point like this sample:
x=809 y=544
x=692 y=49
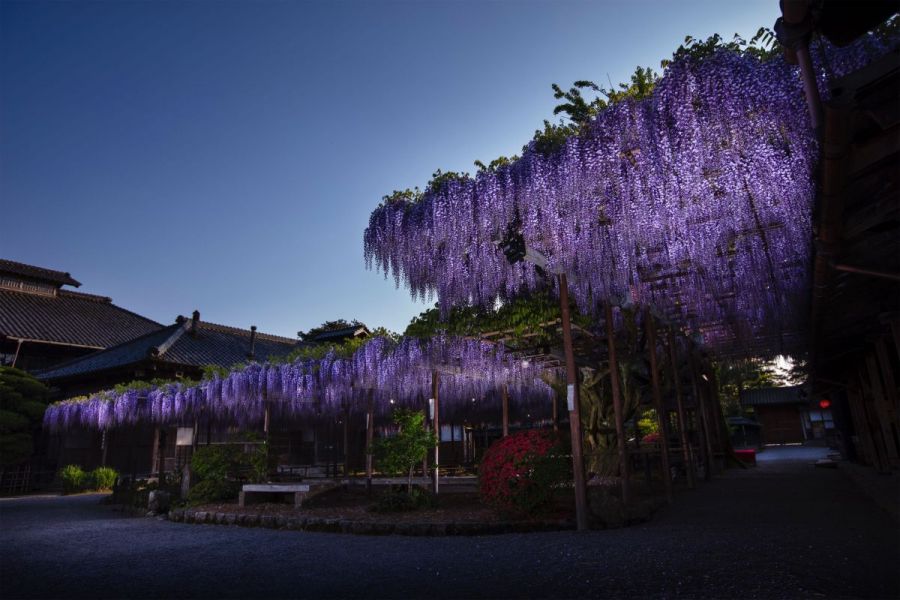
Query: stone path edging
x=336 y=525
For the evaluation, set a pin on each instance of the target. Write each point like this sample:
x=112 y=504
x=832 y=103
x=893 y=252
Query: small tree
x=401 y=453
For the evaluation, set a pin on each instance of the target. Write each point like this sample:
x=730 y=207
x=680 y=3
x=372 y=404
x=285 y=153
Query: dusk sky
x=225 y=156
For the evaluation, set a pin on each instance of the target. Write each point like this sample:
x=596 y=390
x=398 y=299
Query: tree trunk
x=409 y=481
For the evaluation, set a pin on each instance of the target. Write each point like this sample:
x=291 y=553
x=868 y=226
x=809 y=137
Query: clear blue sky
x=225 y=156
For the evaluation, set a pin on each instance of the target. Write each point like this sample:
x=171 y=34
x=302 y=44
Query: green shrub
x=398 y=499
x=73 y=478
x=212 y=490
x=214 y=462
x=103 y=478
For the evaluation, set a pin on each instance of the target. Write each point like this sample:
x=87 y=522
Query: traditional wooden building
x=179 y=351
x=855 y=317
x=42 y=324
x=787 y=415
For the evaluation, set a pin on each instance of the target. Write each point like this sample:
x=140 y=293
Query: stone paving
x=782 y=530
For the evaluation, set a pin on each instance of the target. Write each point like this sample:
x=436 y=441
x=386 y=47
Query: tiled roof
x=38 y=273
x=794 y=394
x=211 y=345
x=344 y=332
x=127 y=353
x=69 y=318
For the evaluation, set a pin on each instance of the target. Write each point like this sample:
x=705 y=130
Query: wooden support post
x=436 y=421
x=882 y=409
x=333 y=446
x=661 y=414
x=882 y=464
x=616 y=387
x=104 y=446
x=195 y=432
x=703 y=417
x=895 y=333
x=682 y=418
x=132 y=454
x=721 y=426
x=865 y=447
x=161 y=455
x=504 y=394
x=555 y=411
x=346 y=440
x=370 y=434
x=315 y=432
x=154 y=461
x=890 y=382
x=573 y=401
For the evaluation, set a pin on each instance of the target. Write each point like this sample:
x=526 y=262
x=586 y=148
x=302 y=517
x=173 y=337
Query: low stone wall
x=334 y=525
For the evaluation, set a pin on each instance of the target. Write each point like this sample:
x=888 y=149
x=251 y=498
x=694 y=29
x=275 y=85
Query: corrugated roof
x=211 y=345
x=69 y=318
x=11 y=267
x=794 y=394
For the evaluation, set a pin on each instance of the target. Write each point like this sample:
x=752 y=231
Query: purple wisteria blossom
x=696 y=202
x=307 y=390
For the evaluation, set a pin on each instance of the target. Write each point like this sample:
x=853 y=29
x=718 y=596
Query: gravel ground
x=782 y=530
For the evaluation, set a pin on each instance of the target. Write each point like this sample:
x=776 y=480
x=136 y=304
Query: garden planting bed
x=347 y=511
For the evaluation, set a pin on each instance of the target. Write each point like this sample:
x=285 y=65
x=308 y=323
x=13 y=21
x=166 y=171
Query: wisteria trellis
x=394 y=373
x=696 y=202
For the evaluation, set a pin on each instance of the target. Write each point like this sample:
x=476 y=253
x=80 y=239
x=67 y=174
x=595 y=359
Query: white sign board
x=570 y=396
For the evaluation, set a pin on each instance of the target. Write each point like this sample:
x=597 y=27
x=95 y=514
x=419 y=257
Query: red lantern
x=824 y=403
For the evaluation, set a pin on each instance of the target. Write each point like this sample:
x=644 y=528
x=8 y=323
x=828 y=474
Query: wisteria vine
x=387 y=372
x=696 y=202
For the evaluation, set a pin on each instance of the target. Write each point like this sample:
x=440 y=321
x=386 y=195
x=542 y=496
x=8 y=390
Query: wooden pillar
x=504 y=394
x=436 y=421
x=703 y=418
x=865 y=446
x=555 y=411
x=370 y=434
x=882 y=409
x=346 y=440
x=104 y=446
x=882 y=463
x=887 y=374
x=573 y=401
x=682 y=419
x=895 y=333
x=721 y=426
x=315 y=432
x=195 y=432
x=624 y=467
x=661 y=415
x=132 y=454
x=154 y=461
x=161 y=452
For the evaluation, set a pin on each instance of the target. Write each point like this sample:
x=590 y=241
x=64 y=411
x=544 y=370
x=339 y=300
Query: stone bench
x=299 y=490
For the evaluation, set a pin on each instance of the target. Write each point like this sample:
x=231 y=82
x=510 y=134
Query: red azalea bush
x=520 y=472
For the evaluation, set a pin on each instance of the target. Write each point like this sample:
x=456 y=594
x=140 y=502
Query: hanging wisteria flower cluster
x=387 y=372
x=696 y=201
x=167 y=403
